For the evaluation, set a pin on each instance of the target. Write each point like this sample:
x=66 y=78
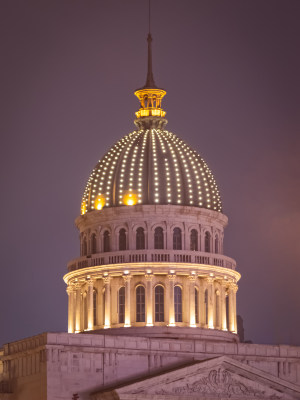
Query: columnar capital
x=172 y=277
x=77 y=286
x=106 y=280
x=234 y=287
x=192 y=278
x=70 y=289
x=127 y=278
x=149 y=277
x=90 y=281
x=209 y=280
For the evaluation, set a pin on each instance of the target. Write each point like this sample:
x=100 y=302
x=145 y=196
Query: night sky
x=232 y=74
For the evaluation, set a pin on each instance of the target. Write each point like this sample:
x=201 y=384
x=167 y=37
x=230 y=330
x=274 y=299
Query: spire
x=150 y=96
x=150 y=79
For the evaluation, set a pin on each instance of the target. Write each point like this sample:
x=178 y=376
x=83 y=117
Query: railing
x=137 y=256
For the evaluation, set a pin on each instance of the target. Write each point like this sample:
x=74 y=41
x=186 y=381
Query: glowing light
x=83 y=207
x=130 y=197
x=100 y=202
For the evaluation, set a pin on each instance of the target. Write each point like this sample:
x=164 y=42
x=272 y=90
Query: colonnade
x=206 y=302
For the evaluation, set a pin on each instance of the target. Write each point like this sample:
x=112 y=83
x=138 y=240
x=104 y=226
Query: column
x=231 y=312
x=71 y=308
x=78 y=308
x=127 y=279
x=223 y=305
x=202 y=304
x=90 y=304
x=235 y=289
x=107 y=301
x=192 y=279
x=149 y=300
x=210 y=298
x=170 y=297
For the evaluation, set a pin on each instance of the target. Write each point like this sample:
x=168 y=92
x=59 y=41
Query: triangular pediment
x=219 y=378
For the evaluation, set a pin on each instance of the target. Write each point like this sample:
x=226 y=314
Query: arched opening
x=140 y=304
x=158 y=238
x=93 y=243
x=177 y=242
x=207 y=242
x=94 y=307
x=122 y=239
x=206 y=306
x=121 y=308
x=194 y=240
x=159 y=304
x=216 y=244
x=178 y=303
x=106 y=241
x=140 y=239
x=196 y=306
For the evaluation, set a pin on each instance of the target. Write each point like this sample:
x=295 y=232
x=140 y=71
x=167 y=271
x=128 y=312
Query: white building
x=152 y=297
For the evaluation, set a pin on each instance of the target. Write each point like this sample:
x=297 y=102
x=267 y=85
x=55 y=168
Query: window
x=178 y=303
x=194 y=240
x=84 y=247
x=216 y=244
x=140 y=304
x=106 y=244
x=140 y=239
x=85 y=311
x=177 y=239
x=94 y=307
x=122 y=305
x=196 y=306
x=93 y=243
x=206 y=306
x=159 y=304
x=159 y=238
x=122 y=239
x=207 y=242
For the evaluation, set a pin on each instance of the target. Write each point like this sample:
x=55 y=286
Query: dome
x=151 y=166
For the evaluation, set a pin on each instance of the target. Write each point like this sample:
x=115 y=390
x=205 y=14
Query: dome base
x=150 y=123
x=171 y=333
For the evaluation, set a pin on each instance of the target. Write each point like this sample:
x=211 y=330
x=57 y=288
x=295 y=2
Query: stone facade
x=54 y=366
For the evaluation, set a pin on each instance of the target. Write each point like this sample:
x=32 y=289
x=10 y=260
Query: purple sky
x=68 y=72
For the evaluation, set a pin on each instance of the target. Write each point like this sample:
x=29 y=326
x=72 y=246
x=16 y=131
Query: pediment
x=219 y=378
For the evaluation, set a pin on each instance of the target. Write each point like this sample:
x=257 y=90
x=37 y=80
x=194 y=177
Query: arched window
x=178 y=303
x=85 y=311
x=158 y=238
x=106 y=244
x=207 y=242
x=159 y=304
x=122 y=239
x=93 y=243
x=94 y=307
x=206 y=306
x=216 y=244
x=194 y=240
x=121 y=300
x=140 y=239
x=140 y=304
x=84 y=247
x=177 y=239
x=196 y=306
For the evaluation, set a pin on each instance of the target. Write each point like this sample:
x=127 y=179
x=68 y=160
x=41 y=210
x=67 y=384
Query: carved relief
x=219 y=382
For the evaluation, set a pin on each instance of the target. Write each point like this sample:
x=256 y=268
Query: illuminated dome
x=151 y=166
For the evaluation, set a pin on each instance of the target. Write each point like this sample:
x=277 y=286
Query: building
x=152 y=298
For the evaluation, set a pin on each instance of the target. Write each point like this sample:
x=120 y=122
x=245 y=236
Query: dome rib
x=156 y=167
